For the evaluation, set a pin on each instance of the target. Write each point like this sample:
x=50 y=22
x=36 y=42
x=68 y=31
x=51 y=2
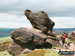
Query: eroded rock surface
x=25 y=39
x=40 y=20
x=40 y=36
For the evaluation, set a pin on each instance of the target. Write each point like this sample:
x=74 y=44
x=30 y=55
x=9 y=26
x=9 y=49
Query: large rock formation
x=26 y=39
x=37 y=37
x=40 y=20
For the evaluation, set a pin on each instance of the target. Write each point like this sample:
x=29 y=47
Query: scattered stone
x=71 y=35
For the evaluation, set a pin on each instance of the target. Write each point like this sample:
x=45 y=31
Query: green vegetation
x=4 y=39
x=70 y=40
x=39 y=52
x=59 y=35
x=4 y=43
x=4 y=53
x=51 y=52
x=42 y=52
x=67 y=39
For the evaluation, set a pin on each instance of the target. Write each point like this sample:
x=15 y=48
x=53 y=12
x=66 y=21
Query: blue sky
x=62 y=12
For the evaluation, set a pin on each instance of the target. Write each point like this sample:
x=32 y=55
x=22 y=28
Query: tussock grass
x=4 y=53
x=4 y=39
x=42 y=52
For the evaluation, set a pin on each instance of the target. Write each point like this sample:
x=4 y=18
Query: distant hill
x=4 y=32
x=61 y=30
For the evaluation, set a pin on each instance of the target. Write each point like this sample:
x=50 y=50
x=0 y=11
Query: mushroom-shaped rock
x=40 y=20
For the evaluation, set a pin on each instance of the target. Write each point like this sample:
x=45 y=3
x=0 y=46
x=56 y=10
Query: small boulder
x=71 y=35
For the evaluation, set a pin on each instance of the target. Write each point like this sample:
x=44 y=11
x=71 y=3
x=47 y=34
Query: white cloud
x=14 y=25
x=50 y=6
x=14 y=21
x=61 y=11
x=64 y=22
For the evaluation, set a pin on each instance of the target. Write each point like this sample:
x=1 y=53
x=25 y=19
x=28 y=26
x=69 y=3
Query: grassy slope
x=67 y=39
x=4 y=39
x=4 y=42
x=40 y=52
x=4 y=53
x=47 y=52
x=43 y=52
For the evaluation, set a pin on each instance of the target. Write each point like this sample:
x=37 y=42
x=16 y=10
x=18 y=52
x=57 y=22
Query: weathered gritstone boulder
x=24 y=39
x=71 y=35
x=41 y=21
x=54 y=40
x=15 y=49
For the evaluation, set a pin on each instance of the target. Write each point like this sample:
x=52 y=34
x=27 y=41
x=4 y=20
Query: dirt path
x=68 y=47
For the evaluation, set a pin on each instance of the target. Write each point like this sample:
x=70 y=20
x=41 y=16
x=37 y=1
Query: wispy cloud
x=14 y=21
x=64 y=22
x=52 y=7
x=60 y=11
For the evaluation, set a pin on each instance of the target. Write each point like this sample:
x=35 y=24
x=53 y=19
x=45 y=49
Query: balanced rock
x=40 y=36
x=40 y=20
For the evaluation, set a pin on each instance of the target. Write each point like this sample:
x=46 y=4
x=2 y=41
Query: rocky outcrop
x=41 y=21
x=71 y=35
x=41 y=36
x=26 y=39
